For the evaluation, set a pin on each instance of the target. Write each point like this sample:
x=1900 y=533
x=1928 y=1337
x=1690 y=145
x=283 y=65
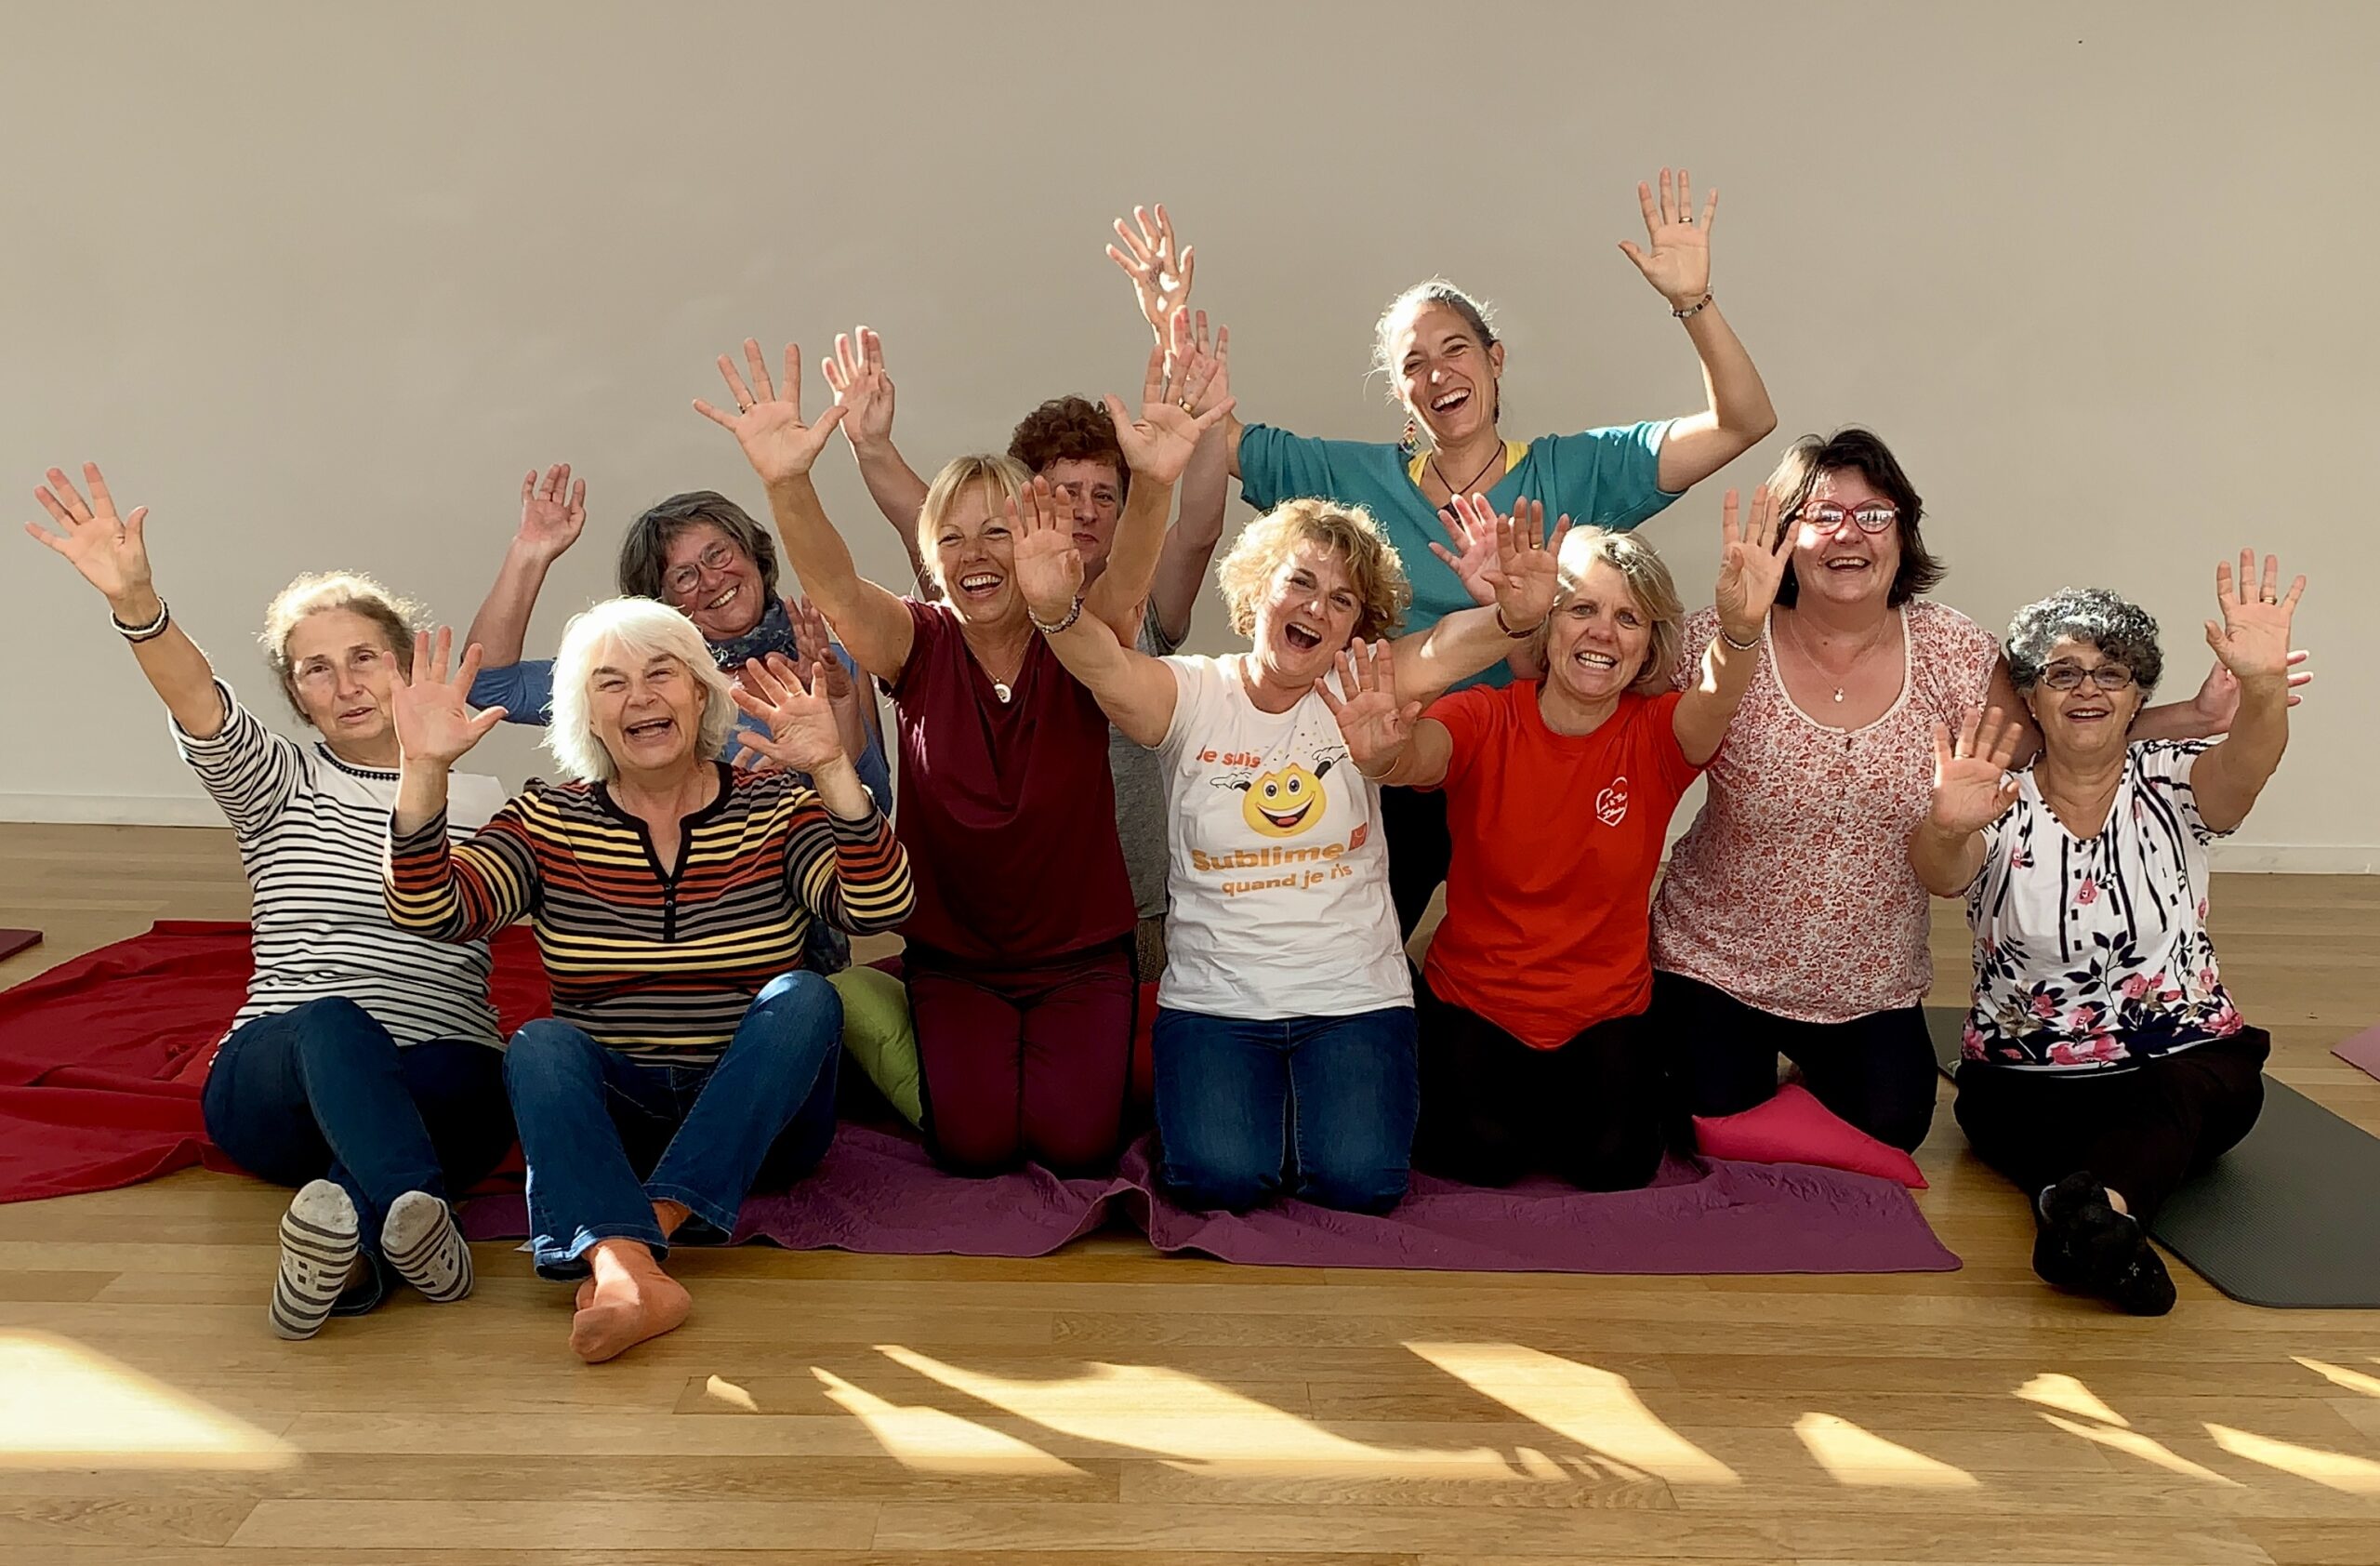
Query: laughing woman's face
x=647 y=714
x=708 y=576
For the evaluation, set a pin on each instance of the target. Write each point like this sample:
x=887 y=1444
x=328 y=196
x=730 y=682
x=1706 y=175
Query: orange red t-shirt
x=1556 y=840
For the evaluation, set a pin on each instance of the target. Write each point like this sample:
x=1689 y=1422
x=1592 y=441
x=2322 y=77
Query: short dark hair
x=1852 y=449
x=644 y=552
x=1069 y=430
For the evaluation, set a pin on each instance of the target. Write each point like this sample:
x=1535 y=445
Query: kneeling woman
x=1284 y=1038
x=689 y=1056
x=365 y=1067
x=2104 y=1062
x=1535 y=1054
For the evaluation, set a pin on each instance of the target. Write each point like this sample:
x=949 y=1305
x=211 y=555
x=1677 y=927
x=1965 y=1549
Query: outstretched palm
x=1972 y=788
x=1160 y=272
x=801 y=733
x=1373 y=722
x=111 y=555
x=1048 y=566
x=1678 y=260
x=766 y=424
x=554 y=511
x=2253 y=641
x=1157 y=445
x=1752 y=565
x=862 y=386
x=1528 y=564
x=435 y=724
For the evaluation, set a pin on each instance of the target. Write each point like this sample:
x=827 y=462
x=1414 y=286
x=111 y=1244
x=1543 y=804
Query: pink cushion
x=1794 y=1127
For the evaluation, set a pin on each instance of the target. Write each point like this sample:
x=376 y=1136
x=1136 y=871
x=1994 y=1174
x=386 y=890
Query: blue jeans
x=1318 y=1108
x=606 y=1136
x=320 y=1092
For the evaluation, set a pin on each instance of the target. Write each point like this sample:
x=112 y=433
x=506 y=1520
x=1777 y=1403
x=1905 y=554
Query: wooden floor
x=1105 y=1405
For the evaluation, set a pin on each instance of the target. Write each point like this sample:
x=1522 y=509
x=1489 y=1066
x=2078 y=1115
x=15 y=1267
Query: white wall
x=317 y=282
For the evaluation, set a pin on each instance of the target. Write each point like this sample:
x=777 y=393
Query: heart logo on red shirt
x=1611 y=805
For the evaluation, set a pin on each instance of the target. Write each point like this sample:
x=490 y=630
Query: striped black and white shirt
x=312 y=831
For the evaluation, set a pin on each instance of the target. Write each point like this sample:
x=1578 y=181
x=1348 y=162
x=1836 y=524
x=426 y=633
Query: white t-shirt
x=1279 y=872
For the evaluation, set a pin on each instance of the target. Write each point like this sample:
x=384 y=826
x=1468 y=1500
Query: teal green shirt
x=1601 y=478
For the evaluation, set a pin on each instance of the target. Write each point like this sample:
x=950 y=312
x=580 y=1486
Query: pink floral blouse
x=1791 y=891
x=2093 y=953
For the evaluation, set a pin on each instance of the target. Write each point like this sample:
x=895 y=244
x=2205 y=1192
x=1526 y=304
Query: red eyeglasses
x=1873 y=516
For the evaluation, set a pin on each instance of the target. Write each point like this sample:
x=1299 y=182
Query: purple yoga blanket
x=2362 y=1052
x=880 y=1194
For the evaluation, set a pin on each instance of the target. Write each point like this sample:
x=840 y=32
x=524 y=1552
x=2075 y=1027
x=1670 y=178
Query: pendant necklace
x=999 y=689
x=1482 y=473
x=1802 y=643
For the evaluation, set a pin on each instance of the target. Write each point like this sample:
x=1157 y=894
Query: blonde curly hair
x=1350 y=532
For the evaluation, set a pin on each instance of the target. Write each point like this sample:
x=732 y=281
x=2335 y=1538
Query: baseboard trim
x=111 y=810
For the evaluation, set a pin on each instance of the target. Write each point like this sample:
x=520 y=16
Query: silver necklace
x=1801 y=644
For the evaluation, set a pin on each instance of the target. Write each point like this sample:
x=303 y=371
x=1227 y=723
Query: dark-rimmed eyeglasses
x=2065 y=677
x=715 y=559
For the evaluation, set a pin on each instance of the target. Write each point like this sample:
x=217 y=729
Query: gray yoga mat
x=2286 y=1219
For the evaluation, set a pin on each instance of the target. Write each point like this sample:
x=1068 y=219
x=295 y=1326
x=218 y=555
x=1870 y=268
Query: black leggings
x=1413 y=824
x=1876 y=1071
x=1494 y=1110
x=2141 y=1132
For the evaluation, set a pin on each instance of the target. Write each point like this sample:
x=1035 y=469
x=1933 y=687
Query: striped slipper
x=318 y=1247
x=422 y=1243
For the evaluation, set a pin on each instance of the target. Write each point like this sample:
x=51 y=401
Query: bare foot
x=628 y=1300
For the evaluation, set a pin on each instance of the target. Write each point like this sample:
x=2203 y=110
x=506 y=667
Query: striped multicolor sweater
x=659 y=965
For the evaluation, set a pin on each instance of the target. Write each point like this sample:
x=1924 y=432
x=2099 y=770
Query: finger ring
x=1182 y=403
x=743 y=408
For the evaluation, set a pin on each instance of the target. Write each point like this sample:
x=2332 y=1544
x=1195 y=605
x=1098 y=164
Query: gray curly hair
x=2123 y=631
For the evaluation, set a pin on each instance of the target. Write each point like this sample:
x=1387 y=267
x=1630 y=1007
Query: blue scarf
x=772 y=634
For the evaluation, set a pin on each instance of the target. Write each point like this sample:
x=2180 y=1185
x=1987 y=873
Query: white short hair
x=629 y=631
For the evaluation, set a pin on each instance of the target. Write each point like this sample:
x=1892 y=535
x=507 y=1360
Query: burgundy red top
x=1007 y=808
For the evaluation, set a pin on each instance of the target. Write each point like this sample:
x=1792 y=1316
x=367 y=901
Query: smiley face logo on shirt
x=1286 y=802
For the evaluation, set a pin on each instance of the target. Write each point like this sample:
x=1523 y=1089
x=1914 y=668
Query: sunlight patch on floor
x=63 y=1405
x=2339 y=1375
x=1596 y=1408
x=1196 y=1424
x=1857 y=1457
x=933 y=1441
x=2053 y=1390
x=2132 y=1443
x=2333 y=1470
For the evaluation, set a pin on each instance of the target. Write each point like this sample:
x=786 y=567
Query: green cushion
x=877 y=1036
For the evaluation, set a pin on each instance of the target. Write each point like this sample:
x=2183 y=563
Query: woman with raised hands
x=702 y=554
x=1790 y=921
x=1071 y=441
x=364 y=1066
x=690 y=1055
x=2105 y=1062
x=1535 y=1053
x=1439 y=349
x=1018 y=959
x=1284 y=1037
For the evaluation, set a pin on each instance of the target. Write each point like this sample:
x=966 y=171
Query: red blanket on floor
x=100 y=1060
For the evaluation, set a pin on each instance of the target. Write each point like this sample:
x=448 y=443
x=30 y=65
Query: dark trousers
x=1413 y=823
x=320 y=1092
x=1024 y=1063
x=2141 y=1133
x=1494 y=1109
x=1876 y=1071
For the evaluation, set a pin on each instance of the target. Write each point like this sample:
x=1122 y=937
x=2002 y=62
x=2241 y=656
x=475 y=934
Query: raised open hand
x=112 y=553
x=1373 y=722
x=2253 y=640
x=1972 y=788
x=1752 y=563
x=1161 y=274
x=1528 y=564
x=1048 y=566
x=1678 y=262
x=435 y=724
x=801 y=731
x=1470 y=522
x=769 y=427
x=1157 y=445
x=2216 y=705
x=813 y=642
x=1195 y=359
x=862 y=386
x=553 y=511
